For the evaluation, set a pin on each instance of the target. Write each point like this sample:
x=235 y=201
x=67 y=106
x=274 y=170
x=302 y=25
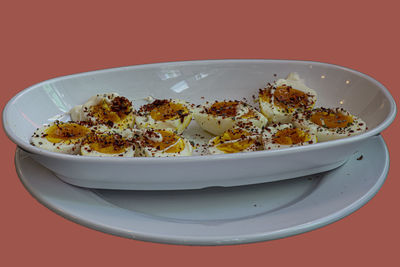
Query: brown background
x=46 y=39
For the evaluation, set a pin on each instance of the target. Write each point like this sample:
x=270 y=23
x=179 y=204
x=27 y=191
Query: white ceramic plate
x=216 y=216
x=196 y=82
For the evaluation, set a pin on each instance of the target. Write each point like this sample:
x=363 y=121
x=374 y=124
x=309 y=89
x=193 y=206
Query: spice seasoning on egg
x=284 y=101
x=286 y=97
x=164 y=109
x=165 y=114
x=330 y=123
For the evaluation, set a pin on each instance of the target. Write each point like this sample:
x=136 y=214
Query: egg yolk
x=225 y=144
x=107 y=144
x=225 y=109
x=331 y=119
x=169 y=139
x=286 y=97
x=115 y=112
x=249 y=115
x=164 y=110
x=66 y=132
x=290 y=136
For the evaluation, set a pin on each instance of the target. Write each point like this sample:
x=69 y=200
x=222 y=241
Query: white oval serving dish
x=196 y=82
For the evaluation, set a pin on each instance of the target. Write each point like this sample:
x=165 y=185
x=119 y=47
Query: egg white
x=70 y=146
x=127 y=133
x=145 y=120
x=302 y=119
x=217 y=124
x=146 y=150
x=277 y=114
x=270 y=132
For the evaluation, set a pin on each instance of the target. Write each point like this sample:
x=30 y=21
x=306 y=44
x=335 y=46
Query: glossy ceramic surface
x=216 y=216
x=196 y=82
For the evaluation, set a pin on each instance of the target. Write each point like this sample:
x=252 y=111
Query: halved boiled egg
x=107 y=144
x=219 y=116
x=234 y=140
x=109 y=109
x=329 y=124
x=278 y=101
x=286 y=135
x=165 y=114
x=62 y=137
x=163 y=143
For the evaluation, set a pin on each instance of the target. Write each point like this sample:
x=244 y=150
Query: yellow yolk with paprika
x=107 y=143
x=169 y=139
x=225 y=144
x=225 y=109
x=331 y=120
x=66 y=132
x=250 y=114
x=286 y=97
x=103 y=112
x=168 y=111
x=290 y=136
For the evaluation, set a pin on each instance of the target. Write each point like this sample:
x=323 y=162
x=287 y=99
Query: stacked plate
x=213 y=199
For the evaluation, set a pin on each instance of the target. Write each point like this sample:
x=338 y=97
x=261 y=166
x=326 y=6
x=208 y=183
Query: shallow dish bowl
x=196 y=82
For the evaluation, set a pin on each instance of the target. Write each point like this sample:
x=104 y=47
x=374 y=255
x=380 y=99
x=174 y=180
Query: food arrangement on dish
x=165 y=112
x=286 y=116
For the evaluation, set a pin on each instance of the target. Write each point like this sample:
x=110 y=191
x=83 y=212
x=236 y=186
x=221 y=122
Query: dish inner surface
x=196 y=83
